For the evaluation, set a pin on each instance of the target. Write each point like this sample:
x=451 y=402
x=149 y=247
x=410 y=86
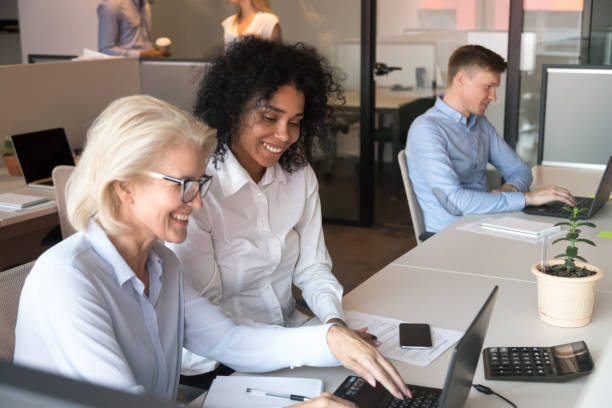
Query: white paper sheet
x=387 y=331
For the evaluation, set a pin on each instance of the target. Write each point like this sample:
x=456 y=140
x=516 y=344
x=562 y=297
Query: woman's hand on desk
x=326 y=400
x=362 y=332
x=356 y=354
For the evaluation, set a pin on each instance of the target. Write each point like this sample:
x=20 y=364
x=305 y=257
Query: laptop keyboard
x=557 y=206
x=359 y=391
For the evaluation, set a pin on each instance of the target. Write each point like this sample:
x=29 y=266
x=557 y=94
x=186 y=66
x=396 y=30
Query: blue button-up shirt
x=124 y=27
x=447 y=157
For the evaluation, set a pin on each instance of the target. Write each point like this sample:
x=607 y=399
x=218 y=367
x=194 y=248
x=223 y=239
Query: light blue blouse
x=83 y=313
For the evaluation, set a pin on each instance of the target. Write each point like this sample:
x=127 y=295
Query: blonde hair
x=123 y=142
x=260 y=5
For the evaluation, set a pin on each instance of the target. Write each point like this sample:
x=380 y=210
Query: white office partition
x=173 y=81
x=575 y=116
x=67 y=94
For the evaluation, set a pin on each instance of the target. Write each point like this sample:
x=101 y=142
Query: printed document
x=387 y=331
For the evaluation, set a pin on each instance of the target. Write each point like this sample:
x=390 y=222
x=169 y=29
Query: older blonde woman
x=109 y=305
x=254 y=17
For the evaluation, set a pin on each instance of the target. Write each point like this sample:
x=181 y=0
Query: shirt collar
x=105 y=248
x=454 y=114
x=232 y=176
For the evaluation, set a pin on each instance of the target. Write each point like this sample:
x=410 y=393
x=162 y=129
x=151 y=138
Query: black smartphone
x=414 y=335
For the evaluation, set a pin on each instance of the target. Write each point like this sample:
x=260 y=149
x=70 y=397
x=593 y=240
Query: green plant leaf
x=571 y=251
x=581 y=258
x=586 y=241
x=572 y=235
x=588 y=224
x=563 y=223
x=559 y=256
x=581 y=210
x=560 y=239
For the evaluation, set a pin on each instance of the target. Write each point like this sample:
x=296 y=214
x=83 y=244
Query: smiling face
x=154 y=208
x=476 y=88
x=267 y=131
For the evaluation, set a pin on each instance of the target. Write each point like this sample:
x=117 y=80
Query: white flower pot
x=566 y=302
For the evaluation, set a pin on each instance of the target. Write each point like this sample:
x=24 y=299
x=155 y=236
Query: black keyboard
x=555 y=209
x=356 y=389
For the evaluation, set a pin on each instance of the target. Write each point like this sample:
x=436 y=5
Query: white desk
x=21 y=232
x=485 y=255
x=451 y=300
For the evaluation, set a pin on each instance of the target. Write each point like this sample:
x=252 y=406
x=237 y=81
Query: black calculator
x=544 y=364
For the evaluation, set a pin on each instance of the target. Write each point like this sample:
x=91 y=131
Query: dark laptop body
x=602 y=195
x=39 y=152
x=458 y=377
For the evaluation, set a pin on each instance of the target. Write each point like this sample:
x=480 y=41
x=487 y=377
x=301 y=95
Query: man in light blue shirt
x=124 y=28
x=449 y=146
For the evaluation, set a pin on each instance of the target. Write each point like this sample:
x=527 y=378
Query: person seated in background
x=254 y=17
x=260 y=228
x=110 y=305
x=124 y=28
x=449 y=146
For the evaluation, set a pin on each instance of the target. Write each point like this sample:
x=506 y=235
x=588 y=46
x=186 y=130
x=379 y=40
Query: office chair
x=416 y=213
x=60 y=176
x=11 y=283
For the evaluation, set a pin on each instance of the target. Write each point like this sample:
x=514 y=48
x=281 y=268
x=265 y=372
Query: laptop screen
x=603 y=190
x=39 y=152
x=465 y=357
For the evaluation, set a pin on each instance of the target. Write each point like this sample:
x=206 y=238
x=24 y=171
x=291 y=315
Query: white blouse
x=83 y=314
x=250 y=241
x=262 y=26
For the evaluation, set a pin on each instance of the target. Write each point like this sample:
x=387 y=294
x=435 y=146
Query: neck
x=452 y=99
x=247 y=10
x=134 y=249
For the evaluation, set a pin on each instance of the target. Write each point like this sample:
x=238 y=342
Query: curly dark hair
x=249 y=73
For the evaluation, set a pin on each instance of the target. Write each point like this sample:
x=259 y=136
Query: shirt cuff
x=310 y=348
x=516 y=201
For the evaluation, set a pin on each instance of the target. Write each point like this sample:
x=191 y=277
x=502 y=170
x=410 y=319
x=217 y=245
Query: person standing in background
x=254 y=17
x=124 y=28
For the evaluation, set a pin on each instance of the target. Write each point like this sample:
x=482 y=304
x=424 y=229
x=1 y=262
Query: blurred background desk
x=395 y=112
x=22 y=233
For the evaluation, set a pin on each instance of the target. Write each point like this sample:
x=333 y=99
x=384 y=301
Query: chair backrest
x=416 y=214
x=60 y=178
x=11 y=283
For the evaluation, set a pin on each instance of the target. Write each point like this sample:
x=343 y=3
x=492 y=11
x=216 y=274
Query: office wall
x=63 y=94
x=57 y=26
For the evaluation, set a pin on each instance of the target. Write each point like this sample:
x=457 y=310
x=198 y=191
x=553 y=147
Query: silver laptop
x=39 y=152
x=556 y=208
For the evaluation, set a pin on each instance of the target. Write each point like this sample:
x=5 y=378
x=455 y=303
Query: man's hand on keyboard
x=549 y=194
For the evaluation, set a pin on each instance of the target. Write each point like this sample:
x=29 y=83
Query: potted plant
x=10 y=160
x=566 y=287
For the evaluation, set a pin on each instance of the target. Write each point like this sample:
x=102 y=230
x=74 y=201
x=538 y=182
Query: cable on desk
x=488 y=391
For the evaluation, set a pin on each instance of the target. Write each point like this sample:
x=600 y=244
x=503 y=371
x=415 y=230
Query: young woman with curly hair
x=259 y=230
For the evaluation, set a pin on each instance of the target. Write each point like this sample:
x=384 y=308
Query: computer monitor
x=28 y=388
x=575 y=121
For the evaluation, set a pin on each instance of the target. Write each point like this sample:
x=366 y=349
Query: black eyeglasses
x=189 y=187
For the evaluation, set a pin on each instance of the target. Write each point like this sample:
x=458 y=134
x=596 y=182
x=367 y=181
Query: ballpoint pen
x=261 y=393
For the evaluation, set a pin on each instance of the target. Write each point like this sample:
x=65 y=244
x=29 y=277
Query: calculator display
x=571 y=358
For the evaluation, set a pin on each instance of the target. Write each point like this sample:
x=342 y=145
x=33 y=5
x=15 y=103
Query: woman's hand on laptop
x=356 y=354
x=549 y=194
